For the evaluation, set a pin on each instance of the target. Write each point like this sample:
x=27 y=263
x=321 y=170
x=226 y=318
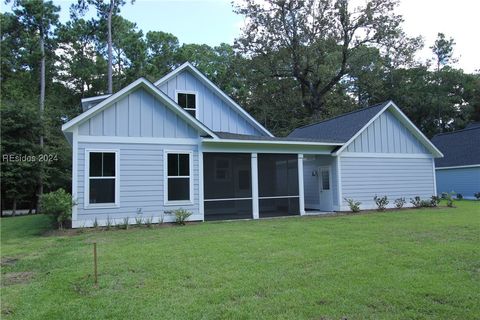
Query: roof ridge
x=343 y=114
x=456 y=131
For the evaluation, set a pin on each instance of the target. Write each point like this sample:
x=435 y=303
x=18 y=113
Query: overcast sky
x=213 y=22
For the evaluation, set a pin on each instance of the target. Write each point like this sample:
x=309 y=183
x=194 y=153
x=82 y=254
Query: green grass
x=413 y=264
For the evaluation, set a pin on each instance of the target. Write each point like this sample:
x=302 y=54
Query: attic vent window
x=187 y=101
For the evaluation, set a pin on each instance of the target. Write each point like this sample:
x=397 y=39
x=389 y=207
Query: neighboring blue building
x=181 y=142
x=459 y=170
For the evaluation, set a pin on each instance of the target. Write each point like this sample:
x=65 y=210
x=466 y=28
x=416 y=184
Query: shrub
x=354 y=205
x=95 y=223
x=399 y=203
x=148 y=222
x=434 y=201
x=449 y=199
x=181 y=215
x=125 y=222
x=381 y=202
x=58 y=204
x=444 y=195
x=138 y=221
x=459 y=196
x=425 y=203
x=109 y=223
x=417 y=202
x=477 y=195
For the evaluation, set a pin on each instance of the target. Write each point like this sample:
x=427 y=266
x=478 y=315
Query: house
x=181 y=142
x=459 y=170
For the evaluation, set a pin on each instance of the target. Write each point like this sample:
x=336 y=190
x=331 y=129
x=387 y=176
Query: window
x=178 y=177
x=325 y=179
x=187 y=101
x=102 y=173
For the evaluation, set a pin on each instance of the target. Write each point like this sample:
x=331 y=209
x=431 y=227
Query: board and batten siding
x=139 y=114
x=141 y=183
x=365 y=177
x=465 y=181
x=386 y=135
x=212 y=111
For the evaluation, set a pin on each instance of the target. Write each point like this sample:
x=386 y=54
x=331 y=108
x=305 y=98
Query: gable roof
x=461 y=148
x=200 y=76
x=346 y=127
x=340 y=128
x=147 y=85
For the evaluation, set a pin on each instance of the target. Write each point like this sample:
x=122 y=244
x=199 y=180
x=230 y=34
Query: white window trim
x=86 y=201
x=188 y=92
x=166 y=202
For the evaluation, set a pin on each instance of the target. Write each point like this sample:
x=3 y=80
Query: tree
x=161 y=54
x=105 y=12
x=40 y=18
x=443 y=50
x=314 y=39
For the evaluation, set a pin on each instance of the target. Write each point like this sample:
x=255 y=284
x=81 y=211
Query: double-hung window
x=102 y=178
x=188 y=101
x=178 y=177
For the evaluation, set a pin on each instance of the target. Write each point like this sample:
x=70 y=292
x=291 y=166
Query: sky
x=213 y=22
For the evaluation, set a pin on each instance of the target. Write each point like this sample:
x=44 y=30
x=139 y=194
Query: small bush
x=449 y=199
x=148 y=222
x=95 y=223
x=477 y=195
x=381 y=202
x=459 y=196
x=417 y=202
x=399 y=203
x=425 y=203
x=181 y=215
x=444 y=195
x=354 y=205
x=139 y=220
x=109 y=223
x=125 y=223
x=58 y=204
x=434 y=201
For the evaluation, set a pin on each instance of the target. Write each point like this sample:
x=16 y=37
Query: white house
x=183 y=143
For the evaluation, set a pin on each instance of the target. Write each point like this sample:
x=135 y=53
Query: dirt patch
x=8 y=261
x=11 y=278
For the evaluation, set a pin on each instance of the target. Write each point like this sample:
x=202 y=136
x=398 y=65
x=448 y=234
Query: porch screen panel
x=227 y=186
x=278 y=185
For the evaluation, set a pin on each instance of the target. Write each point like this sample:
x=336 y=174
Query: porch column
x=201 y=203
x=300 y=185
x=255 y=205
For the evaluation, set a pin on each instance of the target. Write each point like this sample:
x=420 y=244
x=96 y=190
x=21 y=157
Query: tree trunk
x=110 y=54
x=42 y=109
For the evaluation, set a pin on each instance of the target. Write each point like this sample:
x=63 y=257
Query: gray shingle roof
x=341 y=128
x=235 y=136
x=460 y=148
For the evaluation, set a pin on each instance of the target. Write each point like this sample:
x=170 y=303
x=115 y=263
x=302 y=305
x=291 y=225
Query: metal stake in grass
x=95 y=263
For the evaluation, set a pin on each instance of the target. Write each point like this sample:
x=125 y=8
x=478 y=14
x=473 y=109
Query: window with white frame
x=178 y=177
x=188 y=101
x=102 y=177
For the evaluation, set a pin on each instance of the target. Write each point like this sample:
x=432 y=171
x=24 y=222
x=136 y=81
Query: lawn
x=410 y=264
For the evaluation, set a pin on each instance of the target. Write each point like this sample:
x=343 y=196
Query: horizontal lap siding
x=465 y=181
x=141 y=180
x=363 y=178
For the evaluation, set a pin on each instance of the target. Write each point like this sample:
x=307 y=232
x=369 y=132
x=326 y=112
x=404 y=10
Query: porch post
x=301 y=192
x=201 y=204
x=255 y=206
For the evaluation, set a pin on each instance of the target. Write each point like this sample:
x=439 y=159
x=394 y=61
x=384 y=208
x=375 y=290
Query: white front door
x=325 y=187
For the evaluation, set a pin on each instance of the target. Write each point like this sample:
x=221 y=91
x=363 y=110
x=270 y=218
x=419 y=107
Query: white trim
x=75 y=174
x=222 y=94
x=278 y=197
x=227 y=199
x=434 y=178
x=201 y=195
x=190 y=201
x=459 y=167
x=301 y=191
x=416 y=132
x=339 y=182
x=144 y=140
x=130 y=88
x=86 y=200
x=276 y=142
x=386 y=155
x=255 y=201
x=188 y=92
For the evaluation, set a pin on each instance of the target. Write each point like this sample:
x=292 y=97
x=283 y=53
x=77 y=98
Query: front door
x=325 y=187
